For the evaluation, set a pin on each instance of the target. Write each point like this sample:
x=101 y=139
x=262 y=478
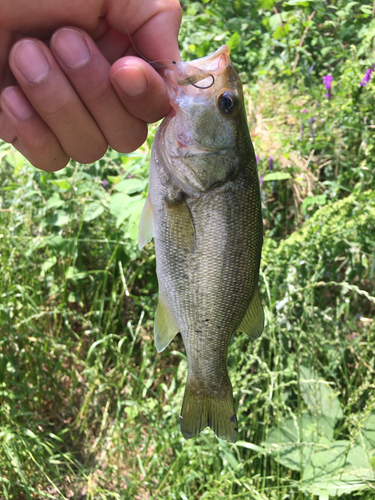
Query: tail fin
x=200 y=410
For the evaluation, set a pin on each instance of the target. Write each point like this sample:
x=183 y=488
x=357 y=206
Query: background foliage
x=88 y=409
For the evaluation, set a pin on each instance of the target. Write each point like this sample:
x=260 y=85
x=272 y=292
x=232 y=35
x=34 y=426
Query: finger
x=88 y=72
x=21 y=126
x=56 y=102
x=7 y=40
x=140 y=88
x=7 y=132
x=41 y=19
x=113 y=44
x=153 y=26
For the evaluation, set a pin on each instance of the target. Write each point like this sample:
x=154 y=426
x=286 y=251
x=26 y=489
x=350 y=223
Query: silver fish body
x=204 y=212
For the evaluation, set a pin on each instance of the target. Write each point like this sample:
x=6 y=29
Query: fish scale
x=204 y=213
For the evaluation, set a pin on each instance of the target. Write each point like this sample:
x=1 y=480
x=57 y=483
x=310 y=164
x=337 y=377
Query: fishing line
x=155 y=64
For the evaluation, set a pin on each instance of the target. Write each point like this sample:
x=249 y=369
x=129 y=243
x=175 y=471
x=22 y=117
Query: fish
x=203 y=210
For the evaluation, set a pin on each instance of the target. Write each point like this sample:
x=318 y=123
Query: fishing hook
x=203 y=88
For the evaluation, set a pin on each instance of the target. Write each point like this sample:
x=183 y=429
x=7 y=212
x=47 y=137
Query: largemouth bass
x=204 y=212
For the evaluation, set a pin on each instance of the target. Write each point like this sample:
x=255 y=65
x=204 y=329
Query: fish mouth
x=193 y=150
x=203 y=152
x=188 y=147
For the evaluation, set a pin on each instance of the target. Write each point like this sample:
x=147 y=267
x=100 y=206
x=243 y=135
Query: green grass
x=88 y=408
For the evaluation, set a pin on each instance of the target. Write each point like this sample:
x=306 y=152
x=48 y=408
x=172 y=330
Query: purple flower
x=257 y=158
x=304 y=111
x=327 y=81
x=367 y=76
x=310 y=69
x=105 y=183
x=261 y=181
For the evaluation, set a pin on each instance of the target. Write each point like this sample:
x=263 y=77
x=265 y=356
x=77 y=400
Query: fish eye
x=227 y=102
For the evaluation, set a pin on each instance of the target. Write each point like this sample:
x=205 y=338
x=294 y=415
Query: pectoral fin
x=145 y=231
x=253 y=321
x=164 y=327
x=181 y=225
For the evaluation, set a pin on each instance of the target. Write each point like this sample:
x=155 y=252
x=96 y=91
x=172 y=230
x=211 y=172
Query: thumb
x=152 y=25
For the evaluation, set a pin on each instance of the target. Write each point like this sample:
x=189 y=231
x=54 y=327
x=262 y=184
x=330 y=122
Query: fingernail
x=30 y=60
x=71 y=48
x=16 y=103
x=131 y=80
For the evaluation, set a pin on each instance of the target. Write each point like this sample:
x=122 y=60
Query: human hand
x=69 y=101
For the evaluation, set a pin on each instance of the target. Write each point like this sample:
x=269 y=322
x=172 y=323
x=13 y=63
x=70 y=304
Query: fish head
x=202 y=132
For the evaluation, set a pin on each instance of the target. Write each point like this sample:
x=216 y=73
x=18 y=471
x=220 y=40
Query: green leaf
x=266 y=4
x=30 y=434
x=276 y=176
x=293 y=442
x=56 y=241
x=47 y=264
x=59 y=218
x=117 y=203
x=368 y=432
x=220 y=37
x=312 y=200
x=84 y=187
x=337 y=470
x=318 y=395
x=232 y=461
x=132 y=232
x=62 y=184
x=73 y=273
x=325 y=50
x=366 y=9
x=131 y=211
x=55 y=201
x=234 y=41
x=93 y=211
x=132 y=412
x=299 y=3
x=15 y=159
x=281 y=31
x=114 y=179
x=34 y=243
x=131 y=186
x=251 y=446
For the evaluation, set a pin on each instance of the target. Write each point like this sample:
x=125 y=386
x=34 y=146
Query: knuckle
x=102 y=92
x=44 y=144
x=7 y=135
x=52 y=106
x=172 y=5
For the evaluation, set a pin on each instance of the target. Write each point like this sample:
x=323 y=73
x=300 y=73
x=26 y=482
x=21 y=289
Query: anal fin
x=164 y=328
x=253 y=321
